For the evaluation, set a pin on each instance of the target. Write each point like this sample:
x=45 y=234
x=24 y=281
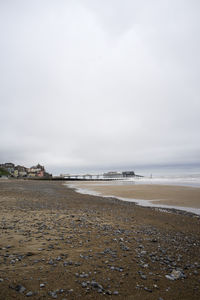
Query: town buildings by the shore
x=18 y=171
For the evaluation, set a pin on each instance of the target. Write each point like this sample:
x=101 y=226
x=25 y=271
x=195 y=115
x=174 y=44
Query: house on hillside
x=20 y=171
x=35 y=171
x=38 y=171
x=9 y=167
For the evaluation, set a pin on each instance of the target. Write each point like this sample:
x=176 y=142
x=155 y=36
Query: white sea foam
x=182 y=180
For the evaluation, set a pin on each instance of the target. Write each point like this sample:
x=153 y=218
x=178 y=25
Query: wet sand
x=179 y=196
x=58 y=244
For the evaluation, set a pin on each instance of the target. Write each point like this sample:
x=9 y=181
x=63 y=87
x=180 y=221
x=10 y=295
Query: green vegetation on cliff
x=4 y=172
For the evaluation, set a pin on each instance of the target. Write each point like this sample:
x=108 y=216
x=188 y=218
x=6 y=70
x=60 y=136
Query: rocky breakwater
x=58 y=244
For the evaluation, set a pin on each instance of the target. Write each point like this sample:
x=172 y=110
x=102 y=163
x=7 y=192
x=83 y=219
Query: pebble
x=1 y=280
x=175 y=274
x=42 y=285
x=115 y=293
x=108 y=292
x=68 y=263
x=147 y=289
x=94 y=284
x=20 y=288
x=29 y=254
x=58 y=258
x=53 y=294
x=29 y=294
x=154 y=241
x=84 y=284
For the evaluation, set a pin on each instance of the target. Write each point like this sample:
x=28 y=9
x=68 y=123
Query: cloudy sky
x=89 y=84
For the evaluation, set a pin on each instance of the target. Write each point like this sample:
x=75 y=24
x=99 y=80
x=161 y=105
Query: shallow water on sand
x=185 y=198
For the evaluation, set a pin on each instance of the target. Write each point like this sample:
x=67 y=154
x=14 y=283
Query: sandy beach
x=179 y=196
x=58 y=244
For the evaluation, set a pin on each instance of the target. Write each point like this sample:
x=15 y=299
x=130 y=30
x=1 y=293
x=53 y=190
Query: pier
x=83 y=177
x=99 y=177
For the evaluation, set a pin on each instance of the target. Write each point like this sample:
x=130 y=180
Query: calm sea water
x=171 y=179
x=182 y=175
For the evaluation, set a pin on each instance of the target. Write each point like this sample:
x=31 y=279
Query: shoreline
x=147 y=195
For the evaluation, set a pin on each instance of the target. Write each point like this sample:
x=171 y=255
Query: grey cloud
x=91 y=84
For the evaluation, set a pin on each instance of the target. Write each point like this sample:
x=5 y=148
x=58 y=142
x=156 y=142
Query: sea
x=192 y=180
x=184 y=175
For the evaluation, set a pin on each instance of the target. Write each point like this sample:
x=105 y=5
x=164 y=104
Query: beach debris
x=175 y=274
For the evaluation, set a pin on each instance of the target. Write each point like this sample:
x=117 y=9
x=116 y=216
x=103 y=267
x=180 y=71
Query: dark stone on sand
x=147 y=289
x=29 y=254
x=20 y=288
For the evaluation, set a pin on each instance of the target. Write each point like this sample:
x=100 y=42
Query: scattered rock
x=53 y=294
x=147 y=289
x=29 y=254
x=42 y=285
x=84 y=284
x=175 y=274
x=115 y=293
x=29 y=294
x=20 y=288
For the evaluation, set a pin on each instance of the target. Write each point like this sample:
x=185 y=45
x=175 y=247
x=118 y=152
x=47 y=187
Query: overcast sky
x=90 y=84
